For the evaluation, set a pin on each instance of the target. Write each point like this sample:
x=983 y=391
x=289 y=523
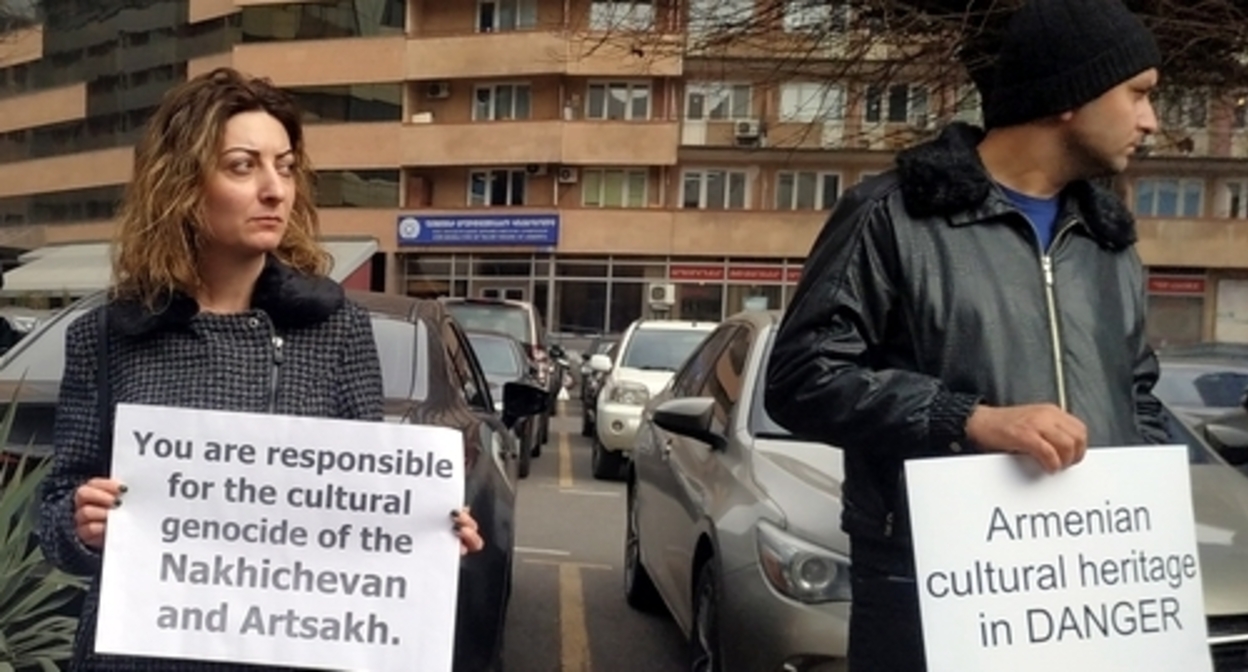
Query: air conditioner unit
x=438 y=90
x=747 y=129
x=567 y=175
x=661 y=294
x=535 y=169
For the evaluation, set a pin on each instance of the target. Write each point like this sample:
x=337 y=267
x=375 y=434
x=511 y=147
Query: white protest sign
x=1093 y=568
x=280 y=540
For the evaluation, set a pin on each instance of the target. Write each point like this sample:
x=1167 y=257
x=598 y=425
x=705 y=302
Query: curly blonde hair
x=162 y=226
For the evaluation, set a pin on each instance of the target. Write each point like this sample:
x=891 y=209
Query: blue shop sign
x=529 y=230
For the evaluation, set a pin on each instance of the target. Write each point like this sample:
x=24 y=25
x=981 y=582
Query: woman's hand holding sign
x=465 y=527
x=92 y=502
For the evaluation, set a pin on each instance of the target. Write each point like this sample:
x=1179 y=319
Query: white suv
x=649 y=354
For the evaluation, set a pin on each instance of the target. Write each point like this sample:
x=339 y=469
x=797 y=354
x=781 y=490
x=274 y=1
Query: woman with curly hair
x=219 y=301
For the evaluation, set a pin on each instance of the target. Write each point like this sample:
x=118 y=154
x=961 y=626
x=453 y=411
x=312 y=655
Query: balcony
x=529 y=53
x=1195 y=243
x=746 y=233
x=359 y=60
x=525 y=142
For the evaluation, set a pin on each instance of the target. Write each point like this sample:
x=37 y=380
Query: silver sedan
x=733 y=526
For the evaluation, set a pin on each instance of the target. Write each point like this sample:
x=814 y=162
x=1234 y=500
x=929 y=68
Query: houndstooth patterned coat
x=302 y=349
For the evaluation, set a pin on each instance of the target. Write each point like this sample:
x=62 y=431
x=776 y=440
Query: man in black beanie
x=983 y=296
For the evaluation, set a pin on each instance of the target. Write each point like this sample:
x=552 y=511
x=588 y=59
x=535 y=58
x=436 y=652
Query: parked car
x=504 y=360
x=591 y=383
x=733 y=525
x=430 y=376
x=521 y=321
x=1202 y=387
x=649 y=352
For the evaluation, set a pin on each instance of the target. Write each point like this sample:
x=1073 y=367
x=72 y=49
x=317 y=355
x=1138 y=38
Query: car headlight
x=799 y=569
x=634 y=394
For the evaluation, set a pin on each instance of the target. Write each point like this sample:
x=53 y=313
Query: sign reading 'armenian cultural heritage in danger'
x=1092 y=568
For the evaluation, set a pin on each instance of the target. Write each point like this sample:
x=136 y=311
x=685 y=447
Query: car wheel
x=535 y=444
x=639 y=590
x=606 y=464
x=545 y=433
x=704 y=637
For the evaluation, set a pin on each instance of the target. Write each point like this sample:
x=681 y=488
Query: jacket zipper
x=273 y=371
x=1050 y=295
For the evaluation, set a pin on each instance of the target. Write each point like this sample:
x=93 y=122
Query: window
x=724 y=383
x=689 y=380
x=807 y=190
x=357 y=188
x=1168 y=197
x=613 y=188
x=460 y=370
x=1239 y=111
x=618 y=100
x=501 y=101
x=810 y=101
x=816 y=16
x=717 y=100
x=499 y=15
x=714 y=189
x=621 y=14
x=899 y=103
x=1233 y=199
x=496 y=187
x=715 y=16
x=1183 y=109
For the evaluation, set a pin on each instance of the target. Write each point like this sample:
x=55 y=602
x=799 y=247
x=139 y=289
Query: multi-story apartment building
x=507 y=148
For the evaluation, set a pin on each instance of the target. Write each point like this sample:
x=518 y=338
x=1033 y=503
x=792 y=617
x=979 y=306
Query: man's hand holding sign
x=279 y=540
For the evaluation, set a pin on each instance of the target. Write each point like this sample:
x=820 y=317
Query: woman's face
x=250 y=190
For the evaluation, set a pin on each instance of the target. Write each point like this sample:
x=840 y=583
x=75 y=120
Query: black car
x=521 y=321
x=430 y=376
x=504 y=360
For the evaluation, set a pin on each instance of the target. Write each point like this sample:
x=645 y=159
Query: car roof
x=511 y=303
x=674 y=325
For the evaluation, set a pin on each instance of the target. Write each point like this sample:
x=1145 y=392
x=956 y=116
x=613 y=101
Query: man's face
x=1104 y=134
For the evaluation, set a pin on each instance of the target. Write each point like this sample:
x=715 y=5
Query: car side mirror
x=1229 y=441
x=690 y=417
x=558 y=352
x=600 y=363
x=520 y=400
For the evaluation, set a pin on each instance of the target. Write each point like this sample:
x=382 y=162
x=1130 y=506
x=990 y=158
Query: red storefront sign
x=1180 y=285
x=716 y=273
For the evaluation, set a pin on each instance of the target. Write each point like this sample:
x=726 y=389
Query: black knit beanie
x=1057 y=55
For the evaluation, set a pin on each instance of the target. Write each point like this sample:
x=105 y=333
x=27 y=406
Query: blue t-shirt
x=1042 y=212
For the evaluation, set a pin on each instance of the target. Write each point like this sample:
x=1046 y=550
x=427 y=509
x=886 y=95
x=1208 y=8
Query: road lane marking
x=542 y=551
x=574 y=636
x=565 y=461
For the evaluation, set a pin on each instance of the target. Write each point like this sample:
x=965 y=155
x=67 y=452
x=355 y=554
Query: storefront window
x=699 y=302
x=753 y=297
x=626 y=305
x=580 y=305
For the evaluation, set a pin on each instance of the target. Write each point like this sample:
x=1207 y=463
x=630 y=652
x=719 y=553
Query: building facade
x=573 y=153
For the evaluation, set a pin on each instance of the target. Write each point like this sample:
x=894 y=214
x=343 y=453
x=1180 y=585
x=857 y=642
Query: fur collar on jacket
x=291 y=299
x=945 y=177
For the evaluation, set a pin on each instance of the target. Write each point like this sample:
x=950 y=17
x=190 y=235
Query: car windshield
x=1200 y=387
x=660 y=349
x=497 y=356
x=500 y=317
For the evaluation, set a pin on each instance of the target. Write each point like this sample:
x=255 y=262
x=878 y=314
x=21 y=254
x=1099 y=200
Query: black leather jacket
x=926 y=293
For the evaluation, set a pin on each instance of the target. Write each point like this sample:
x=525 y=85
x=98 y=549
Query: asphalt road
x=567 y=610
